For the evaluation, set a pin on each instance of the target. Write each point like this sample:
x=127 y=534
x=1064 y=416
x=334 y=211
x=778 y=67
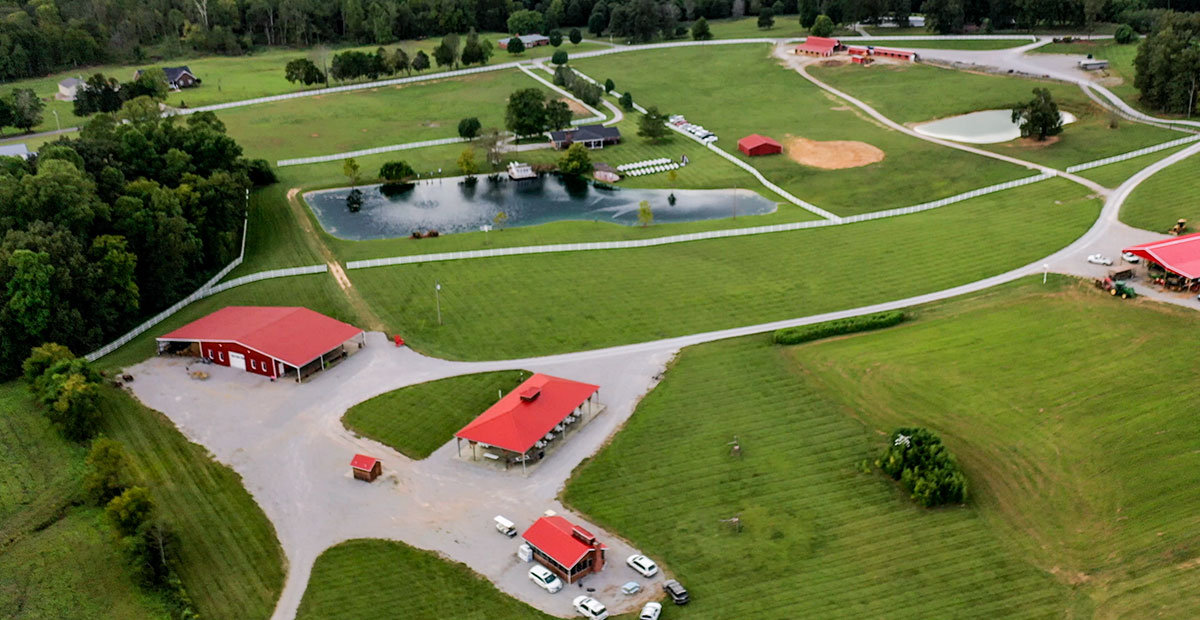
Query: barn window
x=221 y=355
x=252 y=366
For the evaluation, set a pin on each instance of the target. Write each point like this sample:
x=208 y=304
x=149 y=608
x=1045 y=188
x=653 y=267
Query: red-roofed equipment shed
x=1179 y=256
x=818 y=46
x=366 y=467
x=523 y=421
x=754 y=145
x=267 y=340
x=568 y=550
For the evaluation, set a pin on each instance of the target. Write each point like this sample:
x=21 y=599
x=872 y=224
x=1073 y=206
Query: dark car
x=676 y=591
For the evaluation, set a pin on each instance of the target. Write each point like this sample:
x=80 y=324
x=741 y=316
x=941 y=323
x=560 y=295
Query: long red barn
x=525 y=415
x=1179 y=255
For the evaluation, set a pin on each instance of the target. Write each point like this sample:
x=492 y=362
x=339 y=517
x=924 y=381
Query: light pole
x=1045 y=271
x=437 y=297
x=485 y=228
x=57 y=125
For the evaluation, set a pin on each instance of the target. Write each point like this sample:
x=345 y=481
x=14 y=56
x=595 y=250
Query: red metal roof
x=515 y=424
x=1177 y=254
x=754 y=140
x=295 y=336
x=363 y=462
x=553 y=536
x=892 y=50
x=820 y=45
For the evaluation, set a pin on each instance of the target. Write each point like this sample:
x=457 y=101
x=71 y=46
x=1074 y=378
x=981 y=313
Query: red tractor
x=1116 y=283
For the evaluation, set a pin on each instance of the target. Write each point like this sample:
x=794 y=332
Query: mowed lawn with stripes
x=1162 y=199
x=518 y=306
x=1080 y=465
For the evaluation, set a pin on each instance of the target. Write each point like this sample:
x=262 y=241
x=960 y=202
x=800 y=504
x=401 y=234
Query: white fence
x=1132 y=154
x=267 y=275
x=299 y=161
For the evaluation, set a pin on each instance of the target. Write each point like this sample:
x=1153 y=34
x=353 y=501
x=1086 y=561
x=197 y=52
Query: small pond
x=986 y=127
x=450 y=206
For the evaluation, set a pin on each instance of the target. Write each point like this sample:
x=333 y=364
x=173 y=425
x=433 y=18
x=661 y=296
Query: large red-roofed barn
x=1178 y=255
x=566 y=549
x=267 y=340
x=754 y=145
x=818 y=46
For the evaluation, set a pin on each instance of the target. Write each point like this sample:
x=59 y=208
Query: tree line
x=99 y=231
x=1168 y=64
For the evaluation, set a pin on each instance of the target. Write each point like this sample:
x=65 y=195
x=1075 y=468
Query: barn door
x=237 y=360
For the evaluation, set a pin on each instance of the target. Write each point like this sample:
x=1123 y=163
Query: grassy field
x=326 y=124
x=984 y=44
x=912 y=172
x=417 y=420
x=1113 y=175
x=892 y=90
x=59 y=560
x=644 y=294
x=1079 y=463
x=1166 y=197
x=359 y=578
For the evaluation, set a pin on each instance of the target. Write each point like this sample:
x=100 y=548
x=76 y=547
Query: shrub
x=396 y=171
x=260 y=173
x=130 y=510
x=925 y=468
x=559 y=57
x=1125 y=34
x=838 y=327
x=107 y=471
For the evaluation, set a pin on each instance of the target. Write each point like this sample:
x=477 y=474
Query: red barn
x=818 y=46
x=754 y=145
x=266 y=340
x=568 y=550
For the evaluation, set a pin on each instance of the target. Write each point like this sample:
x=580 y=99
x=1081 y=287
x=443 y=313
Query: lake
x=986 y=127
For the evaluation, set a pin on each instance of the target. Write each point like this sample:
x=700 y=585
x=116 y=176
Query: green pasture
x=1079 y=463
x=1113 y=175
x=746 y=91
x=915 y=93
x=341 y=122
x=786 y=27
x=982 y=44
x=360 y=578
x=637 y=295
x=1165 y=197
x=419 y=419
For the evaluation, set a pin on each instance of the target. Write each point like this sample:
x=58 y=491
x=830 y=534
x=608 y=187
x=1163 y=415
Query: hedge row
x=837 y=327
x=925 y=468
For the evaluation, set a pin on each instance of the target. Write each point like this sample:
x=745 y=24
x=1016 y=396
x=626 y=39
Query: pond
x=986 y=127
x=450 y=206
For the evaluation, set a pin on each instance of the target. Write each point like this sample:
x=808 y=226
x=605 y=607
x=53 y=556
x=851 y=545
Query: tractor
x=1115 y=283
x=1179 y=228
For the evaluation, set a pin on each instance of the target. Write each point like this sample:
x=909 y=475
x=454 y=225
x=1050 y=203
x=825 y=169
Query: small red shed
x=366 y=467
x=754 y=145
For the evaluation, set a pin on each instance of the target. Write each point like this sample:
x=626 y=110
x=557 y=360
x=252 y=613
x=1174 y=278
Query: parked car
x=650 y=612
x=589 y=607
x=1130 y=257
x=1099 y=259
x=677 y=592
x=642 y=564
x=545 y=579
x=504 y=526
x=631 y=588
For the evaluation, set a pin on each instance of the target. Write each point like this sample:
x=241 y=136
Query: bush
x=925 y=468
x=260 y=173
x=68 y=387
x=838 y=327
x=107 y=471
x=1125 y=34
x=396 y=171
x=559 y=57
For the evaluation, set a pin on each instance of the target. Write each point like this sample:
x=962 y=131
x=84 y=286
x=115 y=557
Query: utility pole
x=437 y=296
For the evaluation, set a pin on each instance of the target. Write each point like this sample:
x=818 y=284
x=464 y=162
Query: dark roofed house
x=177 y=77
x=530 y=40
x=15 y=150
x=592 y=136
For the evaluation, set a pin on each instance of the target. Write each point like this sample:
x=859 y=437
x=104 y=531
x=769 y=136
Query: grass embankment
x=747 y=91
x=644 y=294
x=60 y=560
x=916 y=93
x=359 y=578
x=418 y=419
x=1079 y=463
x=1165 y=197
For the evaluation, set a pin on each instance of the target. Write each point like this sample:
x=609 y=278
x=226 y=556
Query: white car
x=589 y=607
x=1099 y=259
x=650 y=612
x=642 y=564
x=547 y=580
x=1130 y=257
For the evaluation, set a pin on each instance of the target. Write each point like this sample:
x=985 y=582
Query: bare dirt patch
x=831 y=155
x=316 y=135
x=842 y=108
x=575 y=106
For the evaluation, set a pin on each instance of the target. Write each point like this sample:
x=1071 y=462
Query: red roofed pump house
x=267 y=340
x=568 y=550
x=366 y=467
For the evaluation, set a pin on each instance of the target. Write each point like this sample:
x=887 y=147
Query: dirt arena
x=832 y=155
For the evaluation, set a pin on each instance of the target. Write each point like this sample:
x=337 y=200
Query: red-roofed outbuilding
x=366 y=467
x=754 y=144
x=566 y=549
x=535 y=412
x=1179 y=255
x=267 y=340
x=818 y=46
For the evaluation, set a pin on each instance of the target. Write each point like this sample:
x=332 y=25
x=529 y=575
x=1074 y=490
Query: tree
x=651 y=125
x=526 y=112
x=492 y=142
x=139 y=111
x=559 y=57
x=466 y=162
x=446 y=53
x=575 y=36
x=823 y=27
x=1039 y=117
x=396 y=172
x=809 y=10
x=41 y=359
x=609 y=85
x=30 y=294
x=420 y=61
x=129 y=510
x=1125 y=34
x=515 y=46
x=766 y=18
x=469 y=128
x=476 y=51
x=558 y=114
x=1168 y=64
x=350 y=169
x=576 y=160
x=107 y=471
x=645 y=215
x=701 y=31
x=626 y=100
x=555 y=37
x=526 y=22
x=738 y=9
x=944 y=16
x=68 y=390
x=150 y=83
x=598 y=20
x=97 y=94
x=304 y=71
x=924 y=466
x=354 y=200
